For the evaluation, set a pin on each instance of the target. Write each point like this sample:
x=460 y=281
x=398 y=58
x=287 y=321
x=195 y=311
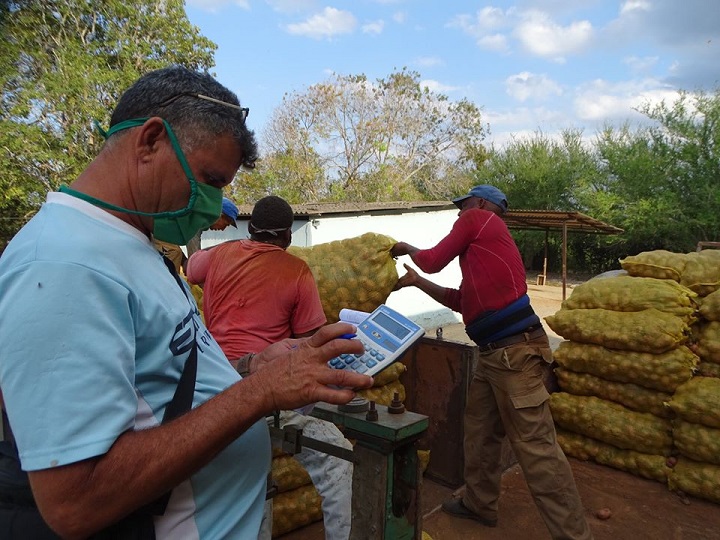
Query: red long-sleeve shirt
x=493 y=275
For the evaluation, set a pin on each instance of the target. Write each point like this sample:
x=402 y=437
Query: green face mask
x=178 y=226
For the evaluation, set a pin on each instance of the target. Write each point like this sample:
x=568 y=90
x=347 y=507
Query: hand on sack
x=408 y=280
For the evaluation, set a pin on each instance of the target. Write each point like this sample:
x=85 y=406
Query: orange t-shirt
x=255 y=294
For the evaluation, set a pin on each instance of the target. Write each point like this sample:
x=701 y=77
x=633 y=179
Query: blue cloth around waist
x=513 y=319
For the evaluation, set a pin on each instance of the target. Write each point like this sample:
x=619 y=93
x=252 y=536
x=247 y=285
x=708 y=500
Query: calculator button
x=349 y=359
x=380 y=357
x=371 y=363
x=361 y=369
x=373 y=352
x=356 y=364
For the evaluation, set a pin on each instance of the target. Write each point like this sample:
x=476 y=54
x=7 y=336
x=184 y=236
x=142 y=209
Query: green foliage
x=63 y=64
x=663 y=183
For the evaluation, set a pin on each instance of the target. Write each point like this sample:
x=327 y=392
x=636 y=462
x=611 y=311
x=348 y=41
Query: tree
x=664 y=181
x=388 y=140
x=63 y=64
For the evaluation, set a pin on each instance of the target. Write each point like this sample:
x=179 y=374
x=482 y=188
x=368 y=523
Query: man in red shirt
x=255 y=294
x=507 y=395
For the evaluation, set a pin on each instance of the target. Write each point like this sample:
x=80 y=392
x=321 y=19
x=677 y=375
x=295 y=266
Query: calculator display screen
x=391 y=325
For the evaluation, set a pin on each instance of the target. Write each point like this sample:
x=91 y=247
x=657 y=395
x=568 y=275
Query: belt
x=532 y=332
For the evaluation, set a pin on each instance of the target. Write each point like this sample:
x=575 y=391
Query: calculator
x=386 y=335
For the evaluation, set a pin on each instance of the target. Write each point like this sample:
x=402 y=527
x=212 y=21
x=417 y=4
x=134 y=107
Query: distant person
x=507 y=395
x=256 y=294
x=97 y=330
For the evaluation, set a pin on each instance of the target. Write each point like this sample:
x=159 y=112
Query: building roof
x=515 y=219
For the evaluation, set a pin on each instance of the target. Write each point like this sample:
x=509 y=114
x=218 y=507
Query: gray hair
x=172 y=94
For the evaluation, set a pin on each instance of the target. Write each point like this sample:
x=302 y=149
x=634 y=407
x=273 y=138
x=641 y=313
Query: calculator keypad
x=358 y=362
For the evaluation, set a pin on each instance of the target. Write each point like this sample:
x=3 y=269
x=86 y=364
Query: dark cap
x=271 y=214
x=487 y=192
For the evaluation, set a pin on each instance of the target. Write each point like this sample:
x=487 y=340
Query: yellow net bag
x=649 y=330
x=648 y=466
x=626 y=293
x=628 y=395
x=698 y=401
x=612 y=423
x=659 y=264
x=663 y=372
x=357 y=273
x=698 y=479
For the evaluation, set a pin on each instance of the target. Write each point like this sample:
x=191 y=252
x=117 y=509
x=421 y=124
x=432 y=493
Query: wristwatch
x=243 y=364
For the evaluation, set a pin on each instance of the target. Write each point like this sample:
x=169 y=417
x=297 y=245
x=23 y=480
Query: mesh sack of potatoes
x=707 y=340
x=288 y=474
x=612 y=423
x=698 y=401
x=696 y=478
x=649 y=330
x=423 y=459
x=357 y=273
x=295 y=509
x=659 y=264
x=708 y=369
x=710 y=306
x=389 y=374
x=663 y=372
x=648 y=466
x=384 y=395
x=697 y=442
x=702 y=272
x=626 y=293
x=632 y=396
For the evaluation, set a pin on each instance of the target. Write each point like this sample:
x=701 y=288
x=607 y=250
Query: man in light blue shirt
x=96 y=332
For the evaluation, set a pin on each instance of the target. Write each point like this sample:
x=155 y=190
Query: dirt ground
x=639 y=509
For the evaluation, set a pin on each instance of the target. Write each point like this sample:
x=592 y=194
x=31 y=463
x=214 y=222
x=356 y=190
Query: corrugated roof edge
x=515 y=219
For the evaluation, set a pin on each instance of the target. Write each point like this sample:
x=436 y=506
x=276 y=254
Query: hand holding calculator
x=386 y=335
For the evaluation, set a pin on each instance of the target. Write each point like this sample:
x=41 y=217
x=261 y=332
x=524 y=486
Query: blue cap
x=230 y=210
x=487 y=192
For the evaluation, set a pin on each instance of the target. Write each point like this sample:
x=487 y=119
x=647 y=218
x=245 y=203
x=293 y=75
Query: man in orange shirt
x=256 y=294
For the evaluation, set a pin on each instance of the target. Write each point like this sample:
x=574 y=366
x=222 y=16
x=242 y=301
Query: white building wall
x=421 y=229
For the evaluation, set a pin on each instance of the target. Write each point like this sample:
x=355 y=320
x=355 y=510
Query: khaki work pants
x=507 y=397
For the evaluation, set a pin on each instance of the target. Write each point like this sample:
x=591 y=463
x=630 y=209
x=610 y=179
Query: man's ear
x=287 y=235
x=151 y=133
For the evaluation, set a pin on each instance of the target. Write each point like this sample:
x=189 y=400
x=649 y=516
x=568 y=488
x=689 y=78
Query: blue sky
x=542 y=65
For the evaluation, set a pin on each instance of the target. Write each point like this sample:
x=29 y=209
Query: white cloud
x=541 y=36
x=602 y=101
x=484 y=26
x=438 y=87
x=400 y=17
x=213 y=6
x=528 y=86
x=375 y=27
x=495 y=42
x=635 y=6
x=429 y=61
x=641 y=65
x=327 y=24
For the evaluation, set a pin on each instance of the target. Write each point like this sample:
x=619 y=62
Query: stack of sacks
x=297 y=503
x=696 y=433
x=357 y=273
x=706 y=334
x=700 y=272
x=624 y=359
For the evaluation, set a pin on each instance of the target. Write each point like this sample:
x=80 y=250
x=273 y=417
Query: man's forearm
x=433 y=290
x=82 y=498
